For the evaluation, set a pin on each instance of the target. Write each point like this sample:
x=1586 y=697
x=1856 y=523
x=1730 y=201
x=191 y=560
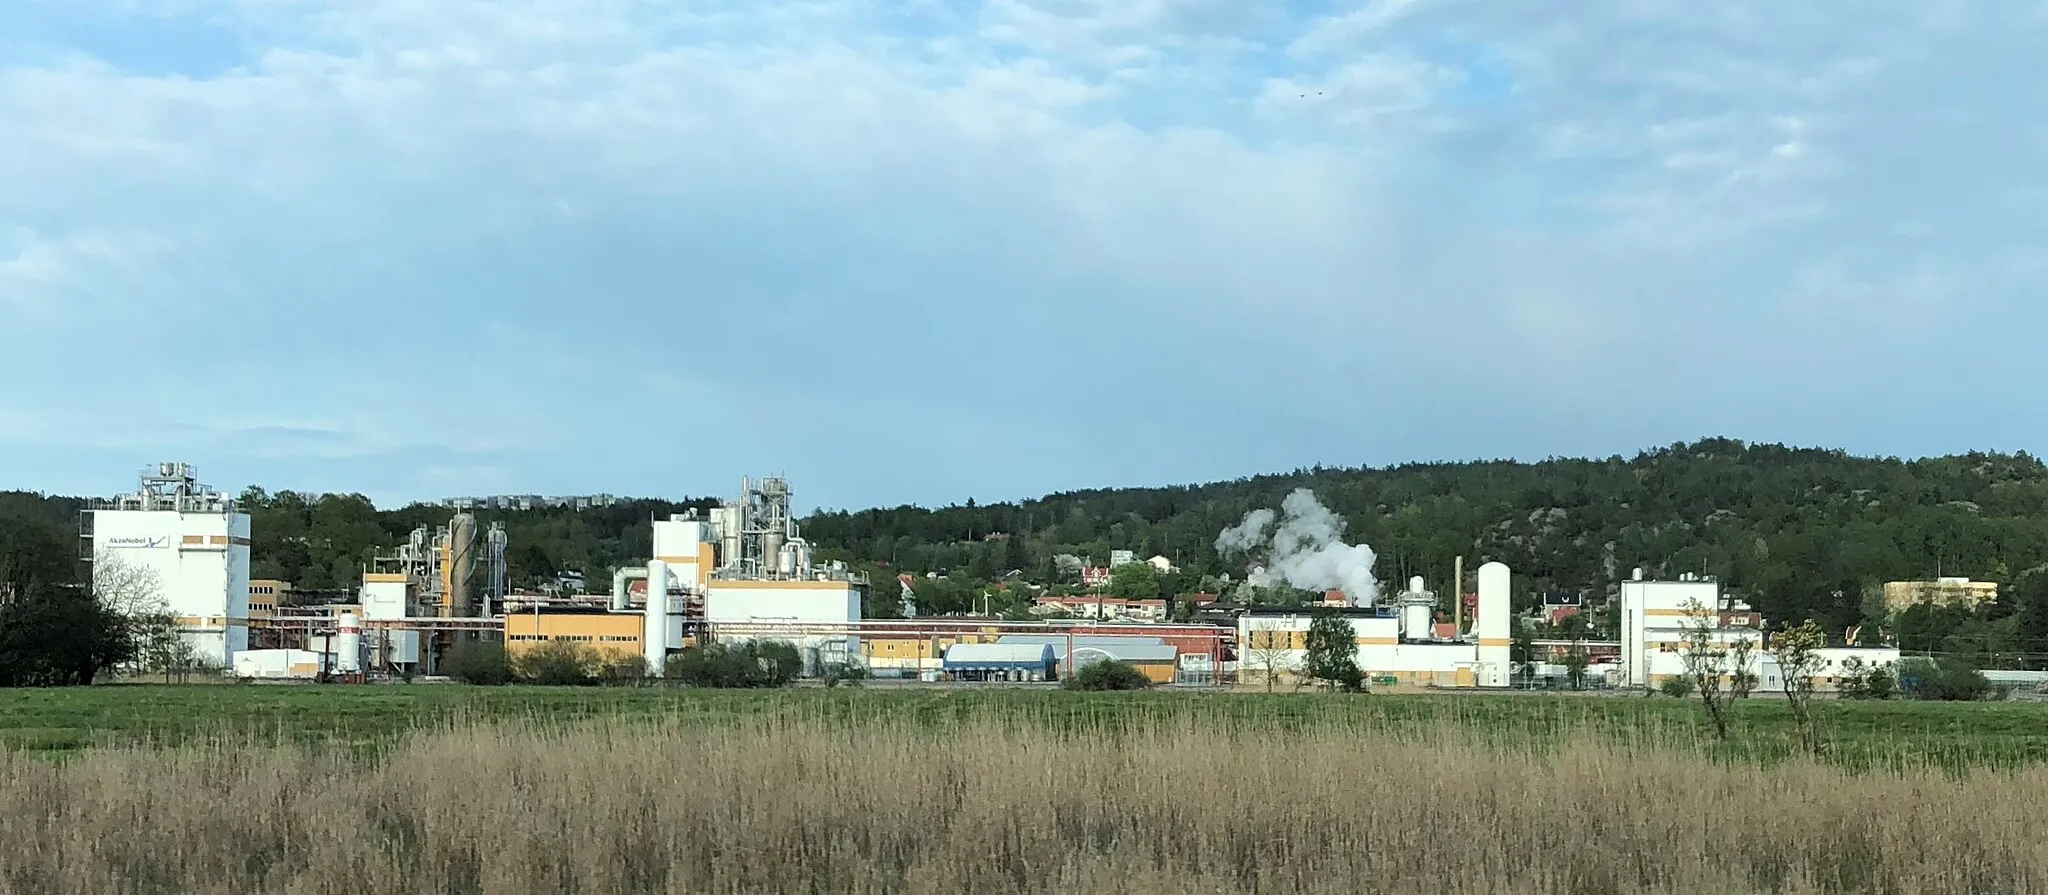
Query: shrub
x=1879 y=683
x=1108 y=674
x=1676 y=685
x=480 y=662
x=557 y=663
x=848 y=673
x=1950 y=680
x=754 y=663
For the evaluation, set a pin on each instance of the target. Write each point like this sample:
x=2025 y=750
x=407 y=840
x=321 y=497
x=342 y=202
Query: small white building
x=280 y=663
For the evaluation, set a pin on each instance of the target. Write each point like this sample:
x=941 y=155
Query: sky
x=927 y=250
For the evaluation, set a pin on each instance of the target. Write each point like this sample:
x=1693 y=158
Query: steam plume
x=1307 y=550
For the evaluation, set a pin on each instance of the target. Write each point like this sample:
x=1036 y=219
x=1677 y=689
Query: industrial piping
x=654 y=640
x=622 y=599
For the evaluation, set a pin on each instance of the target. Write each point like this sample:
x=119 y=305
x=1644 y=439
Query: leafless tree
x=1741 y=655
x=1797 y=651
x=135 y=592
x=1270 y=651
x=1706 y=661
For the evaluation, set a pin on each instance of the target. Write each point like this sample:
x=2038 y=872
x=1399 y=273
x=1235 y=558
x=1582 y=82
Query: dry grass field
x=787 y=804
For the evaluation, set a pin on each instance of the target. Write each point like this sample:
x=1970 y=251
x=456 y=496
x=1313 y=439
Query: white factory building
x=1396 y=642
x=754 y=575
x=180 y=543
x=1657 y=616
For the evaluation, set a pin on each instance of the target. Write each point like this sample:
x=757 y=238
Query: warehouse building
x=1001 y=662
x=1159 y=660
x=614 y=636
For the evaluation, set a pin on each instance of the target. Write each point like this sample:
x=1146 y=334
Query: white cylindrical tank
x=348 y=644
x=1493 y=625
x=802 y=549
x=1415 y=584
x=654 y=633
x=785 y=560
x=1416 y=618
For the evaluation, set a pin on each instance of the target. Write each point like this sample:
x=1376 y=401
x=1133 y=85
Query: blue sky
x=925 y=250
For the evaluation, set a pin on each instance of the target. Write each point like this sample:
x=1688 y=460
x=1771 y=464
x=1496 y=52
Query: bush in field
x=1950 y=680
x=848 y=673
x=557 y=663
x=754 y=663
x=481 y=662
x=1676 y=685
x=1108 y=674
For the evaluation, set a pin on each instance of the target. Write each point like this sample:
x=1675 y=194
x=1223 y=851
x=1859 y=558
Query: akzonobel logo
x=139 y=541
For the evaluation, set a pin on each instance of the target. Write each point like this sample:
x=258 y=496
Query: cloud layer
x=922 y=250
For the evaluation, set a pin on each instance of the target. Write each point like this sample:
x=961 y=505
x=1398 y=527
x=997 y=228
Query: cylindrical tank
x=1493 y=625
x=1416 y=618
x=771 y=550
x=785 y=561
x=654 y=633
x=800 y=557
x=348 y=644
x=1415 y=584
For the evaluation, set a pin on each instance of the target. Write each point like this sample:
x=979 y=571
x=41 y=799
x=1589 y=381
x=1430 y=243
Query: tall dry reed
x=795 y=805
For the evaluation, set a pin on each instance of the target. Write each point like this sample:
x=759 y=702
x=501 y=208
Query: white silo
x=348 y=644
x=1494 y=636
x=1418 y=614
x=654 y=634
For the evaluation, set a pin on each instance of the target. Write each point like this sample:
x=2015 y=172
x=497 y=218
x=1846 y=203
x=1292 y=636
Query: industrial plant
x=742 y=570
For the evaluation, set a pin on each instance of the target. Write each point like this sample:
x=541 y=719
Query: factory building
x=613 y=636
x=1398 y=644
x=188 y=545
x=1657 y=616
x=1900 y=596
x=744 y=571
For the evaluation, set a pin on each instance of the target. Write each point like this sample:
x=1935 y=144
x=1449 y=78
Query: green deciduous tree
x=1332 y=655
x=60 y=636
x=1134 y=581
x=480 y=662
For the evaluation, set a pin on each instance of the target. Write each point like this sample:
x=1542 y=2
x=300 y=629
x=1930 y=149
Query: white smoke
x=1307 y=550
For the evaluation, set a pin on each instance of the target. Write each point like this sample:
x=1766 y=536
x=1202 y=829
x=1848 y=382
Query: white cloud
x=376 y=181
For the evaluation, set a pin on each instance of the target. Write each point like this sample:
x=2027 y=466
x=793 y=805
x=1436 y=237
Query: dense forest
x=1796 y=532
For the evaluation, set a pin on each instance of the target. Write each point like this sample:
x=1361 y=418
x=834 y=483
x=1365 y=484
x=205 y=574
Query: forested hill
x=1798 y=532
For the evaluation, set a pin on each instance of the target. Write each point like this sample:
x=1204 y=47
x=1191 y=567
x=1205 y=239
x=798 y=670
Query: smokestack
x=462 y=558
x=1458 y=598
x=1492 y=625
x=654 y=639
